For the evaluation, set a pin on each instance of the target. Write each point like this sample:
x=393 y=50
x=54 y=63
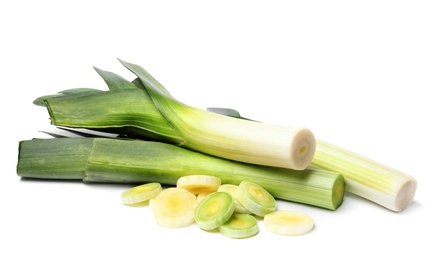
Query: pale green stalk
x=369 y=179
x=114 y=160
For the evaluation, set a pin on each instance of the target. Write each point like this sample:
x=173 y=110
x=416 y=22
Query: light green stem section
x=112 y=160
x=367 y=178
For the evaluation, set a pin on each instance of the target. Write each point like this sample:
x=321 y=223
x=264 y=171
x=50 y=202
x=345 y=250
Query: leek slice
x=141 y=193
x=240 y=226
x=288 y=223
x=174 y=208
x=214 y=210
x=255 y=198
x=197 y=184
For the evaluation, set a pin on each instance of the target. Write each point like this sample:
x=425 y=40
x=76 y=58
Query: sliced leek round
x=240 y=226
x=197 y=184
x=232 y=190
x=255 y=198
x=289 y=223
x=141 y=193
x=214 y=210
x=174 y=208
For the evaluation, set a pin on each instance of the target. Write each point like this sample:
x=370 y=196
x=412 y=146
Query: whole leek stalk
x=116 y=160
x=145 y=108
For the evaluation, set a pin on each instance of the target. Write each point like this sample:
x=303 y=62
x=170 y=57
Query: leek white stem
x=245 y=141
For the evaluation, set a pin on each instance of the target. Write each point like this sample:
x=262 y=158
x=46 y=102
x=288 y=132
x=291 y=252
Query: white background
x=364 y=75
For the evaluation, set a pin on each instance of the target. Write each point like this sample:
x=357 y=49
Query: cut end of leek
x=141 y=193
x=288 y=223
x=240 y=226
x=405 y=195
x=338 y=191
x=302 y=149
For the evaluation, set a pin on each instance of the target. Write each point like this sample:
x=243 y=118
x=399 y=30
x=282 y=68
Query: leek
x=145 y=108
x=115 y=160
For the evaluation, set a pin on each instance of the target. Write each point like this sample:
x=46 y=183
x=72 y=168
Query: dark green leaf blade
x=114 y=81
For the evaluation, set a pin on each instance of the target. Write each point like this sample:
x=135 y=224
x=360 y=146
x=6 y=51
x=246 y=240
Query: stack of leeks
x=161 y=139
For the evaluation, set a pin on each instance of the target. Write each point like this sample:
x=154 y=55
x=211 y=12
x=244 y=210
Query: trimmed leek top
x=144 y=108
